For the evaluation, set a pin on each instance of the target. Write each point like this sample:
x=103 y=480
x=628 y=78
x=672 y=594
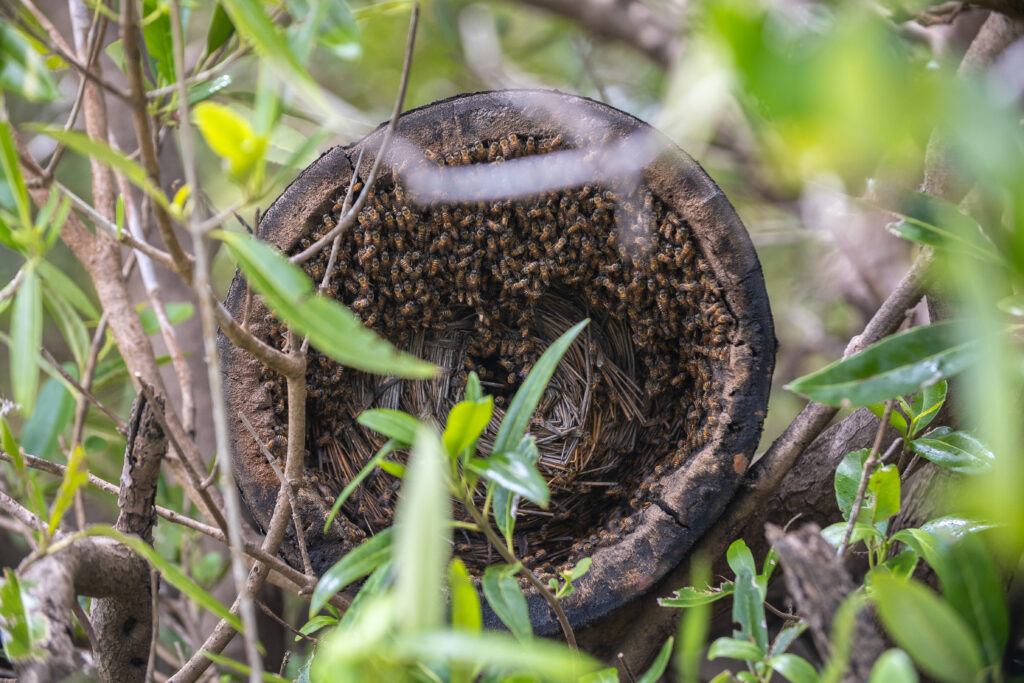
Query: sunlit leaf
x=22 y=70
x=795 y=669
x=895 y=366
x=75 y=477
x=466 y=421
x=230 y=136
x=26 y=338
x=331 y=327
x=395 y=424
x=894 y=666
x=959 y=451
x=885 y=485
x=739 y=556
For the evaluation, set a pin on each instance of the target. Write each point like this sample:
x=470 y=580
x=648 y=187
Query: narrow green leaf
x=691 y=597
x=931 y=631
x=894 y=666
x=22 y=69
x=581 y=569
x=71 y=326
x=466 y=615
x=331 y=327
x=895 y=366
x=732 y=648
x=926 y=404
x=973 y=587
x=935 y=222
x=315 y=624
x=466 y=422
x=361 y=561
x=833 y=533
x=422 y=535
x=220 y=31
x=389 y=446
x=156 y=33
x=250 y=20
x=171 y=573
x=242 y=668
x=12 y=173
x=60 y=282
x=75 y=477
x=895 y=418
x=885 y=485
x=608 y=675
x=739 y=556
x=11 y=447
x=56 y=408
x=104 y=153
x=903 y=564
x=748 y=609
x=21 y=629
x=694 y=625
x=795 y=669
x=26 y=338
x=786 y=637
x=931 y=549
x=371 y=588
x=520 y=410
x=506 y=599
x=515 y=471
x=201 y=92
x=394 y=424
x=653 y=674
x=958 y=451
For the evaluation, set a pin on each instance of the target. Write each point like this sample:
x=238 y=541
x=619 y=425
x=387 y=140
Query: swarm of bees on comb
x=486 y=287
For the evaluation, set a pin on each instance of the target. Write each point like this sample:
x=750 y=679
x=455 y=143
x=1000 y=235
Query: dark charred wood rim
x=689 y=498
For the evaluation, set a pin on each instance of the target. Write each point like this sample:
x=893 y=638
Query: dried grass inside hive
x=486 y=287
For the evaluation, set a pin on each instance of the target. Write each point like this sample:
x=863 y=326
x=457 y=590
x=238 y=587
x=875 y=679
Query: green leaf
x=935 y=222
x=506 y=599
x=75 y=477
x=156 y=32
x=104 y=153
x=748 y=609
x=885 y=485
x=20 y=629
x=201 y=92
x=515 y=471
x=171 y=573
x=390 y=446
x=691 y=597
x=894 y=366
x=926 y=404
x=177 y=312
x=795 y=669
x=786 y=637
x=466 y=614
x=581 y=569
x=608 y=675
x=894 y=666
x=973 y=587
x=331 y=327
x=22 y=69
x=12 y=173
x=926 y=545
x=847 y=479
x=231 y=137
x=843 y=624
x=903 y=564
x=422 y=535
x=315 y=624
x=952 y=527
x=930 y=630
x=361 y=561
x=56 y=408
x=339 y=32
x=958 y=451
x=251 y=22
x=735 y=649
x=466 y=422
x=739 y=556
x=395 y=424
x=26 y=338
x=371 y=588
x=71 y=326
x=833 y=533
x=694 y=625
x=895 y=418
x=498 y=651
x=520 y=410
x=653 y=674
x=220 y=31
x=60 y=282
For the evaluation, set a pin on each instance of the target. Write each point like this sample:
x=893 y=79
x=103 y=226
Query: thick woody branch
x=818 y=583
x=627 y=21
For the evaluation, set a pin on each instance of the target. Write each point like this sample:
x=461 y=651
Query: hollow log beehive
x=498 y=221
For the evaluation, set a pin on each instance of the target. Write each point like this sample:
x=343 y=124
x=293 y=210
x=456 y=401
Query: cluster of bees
x=465 y=284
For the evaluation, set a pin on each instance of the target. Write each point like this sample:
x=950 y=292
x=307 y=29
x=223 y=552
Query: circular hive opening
x=485 y=287
x=652 y=415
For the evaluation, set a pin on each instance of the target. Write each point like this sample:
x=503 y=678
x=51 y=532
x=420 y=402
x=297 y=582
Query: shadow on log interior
x=499 y=220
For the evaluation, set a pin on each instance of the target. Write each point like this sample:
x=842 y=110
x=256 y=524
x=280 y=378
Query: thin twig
x=284 y=624
x=121 y=426
x=869 y=468
x=201 y=276
x=299 y=536
x=154 y=637
x=344 y=222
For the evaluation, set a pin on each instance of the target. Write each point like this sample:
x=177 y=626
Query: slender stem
x=510 y=558
x=121 y=426
x=865 y=476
